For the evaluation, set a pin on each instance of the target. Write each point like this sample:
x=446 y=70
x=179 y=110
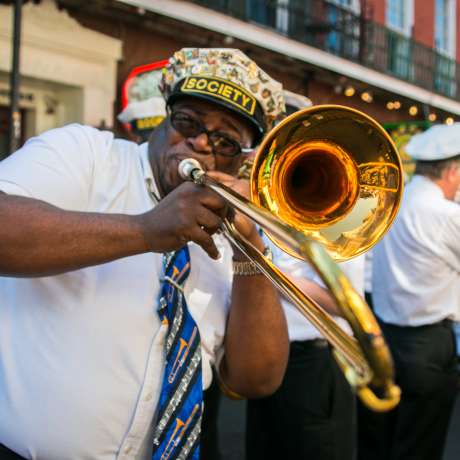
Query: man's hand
x=189 y=213
x=243 y=224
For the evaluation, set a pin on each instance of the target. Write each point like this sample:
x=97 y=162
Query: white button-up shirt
x=416 y=267
x=81 y=354
x=299 y=327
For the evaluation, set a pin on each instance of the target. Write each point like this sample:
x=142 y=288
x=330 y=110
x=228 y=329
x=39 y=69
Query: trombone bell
x=332 y=173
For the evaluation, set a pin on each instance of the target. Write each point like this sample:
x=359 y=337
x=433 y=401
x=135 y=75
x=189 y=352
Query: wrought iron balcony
x=337 y=30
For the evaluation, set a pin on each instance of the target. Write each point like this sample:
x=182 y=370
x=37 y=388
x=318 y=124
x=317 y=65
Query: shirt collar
x=427 y=184
x=148 y=173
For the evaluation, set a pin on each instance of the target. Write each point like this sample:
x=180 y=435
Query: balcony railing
x=340 y=31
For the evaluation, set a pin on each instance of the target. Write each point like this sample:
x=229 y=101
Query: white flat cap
x=152 y=107
x=297 y=101
x=439 y=142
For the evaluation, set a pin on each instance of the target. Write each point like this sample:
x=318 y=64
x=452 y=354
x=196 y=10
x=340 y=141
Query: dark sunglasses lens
x=190 y=127
x=223 y=145
x=185 y=125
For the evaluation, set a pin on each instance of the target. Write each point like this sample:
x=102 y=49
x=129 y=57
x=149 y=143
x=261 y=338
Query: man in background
x=117 y=298
x=143 y=117
x=416 y=296
x=144 y=107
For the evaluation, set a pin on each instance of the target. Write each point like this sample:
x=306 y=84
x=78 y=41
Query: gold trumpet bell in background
x=332 y=173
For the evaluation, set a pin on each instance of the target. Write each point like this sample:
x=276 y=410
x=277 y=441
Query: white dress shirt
x=368 y=271
x=300 y=328
x=81 y=356
x=416 y=267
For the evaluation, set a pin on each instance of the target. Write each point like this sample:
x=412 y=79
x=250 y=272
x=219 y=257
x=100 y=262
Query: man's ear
x=453 y=171
x=447 y=173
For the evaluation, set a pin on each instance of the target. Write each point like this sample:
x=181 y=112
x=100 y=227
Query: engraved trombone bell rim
x=333 y=173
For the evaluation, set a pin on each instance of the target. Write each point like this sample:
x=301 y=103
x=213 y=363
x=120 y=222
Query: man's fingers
x=222 y=177
x=238 y=185
x=210 y=199
x=203 y=239
x=213 y=201
x=208 y=220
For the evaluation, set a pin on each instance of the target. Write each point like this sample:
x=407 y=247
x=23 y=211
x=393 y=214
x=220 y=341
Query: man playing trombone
x=116 y=295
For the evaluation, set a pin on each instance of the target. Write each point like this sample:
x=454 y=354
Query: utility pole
x=15 y=115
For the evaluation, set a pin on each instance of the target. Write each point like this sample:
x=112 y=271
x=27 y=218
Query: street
x=232 y=427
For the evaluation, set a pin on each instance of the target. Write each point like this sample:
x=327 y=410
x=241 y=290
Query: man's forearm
x=317 y=293
x=257 y=342
x=38 y=239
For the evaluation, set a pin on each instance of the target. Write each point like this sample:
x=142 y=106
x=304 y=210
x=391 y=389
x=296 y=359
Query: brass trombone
x=326 y=184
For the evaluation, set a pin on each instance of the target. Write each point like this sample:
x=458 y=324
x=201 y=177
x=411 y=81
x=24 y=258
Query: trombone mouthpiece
x=187 y=167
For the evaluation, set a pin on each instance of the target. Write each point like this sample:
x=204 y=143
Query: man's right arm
x=39 y=239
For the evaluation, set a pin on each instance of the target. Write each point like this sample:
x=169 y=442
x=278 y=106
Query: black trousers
x=426 y=371
x=311 y=416
x=209 y=443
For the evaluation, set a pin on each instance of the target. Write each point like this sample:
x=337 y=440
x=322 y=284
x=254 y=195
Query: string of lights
x=395 y=105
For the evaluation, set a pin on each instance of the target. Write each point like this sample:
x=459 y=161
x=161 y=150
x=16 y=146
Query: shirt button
x=127 y=449
x=148 y=396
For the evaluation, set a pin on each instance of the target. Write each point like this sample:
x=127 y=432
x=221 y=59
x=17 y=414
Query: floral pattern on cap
x=231 y=65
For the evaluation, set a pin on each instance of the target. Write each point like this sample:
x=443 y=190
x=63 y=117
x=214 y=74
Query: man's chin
x=171 y=182
x=171 y=178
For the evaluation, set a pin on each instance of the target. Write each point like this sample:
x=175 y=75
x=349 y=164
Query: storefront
x=65 y=77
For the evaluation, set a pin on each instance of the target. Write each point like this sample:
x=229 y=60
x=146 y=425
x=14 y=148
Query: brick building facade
x=396 y=60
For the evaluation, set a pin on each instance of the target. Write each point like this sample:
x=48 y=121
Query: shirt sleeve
x=57 y=167
x=290 y=265
x=452 y=232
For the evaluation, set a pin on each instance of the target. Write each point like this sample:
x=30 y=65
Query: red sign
x=142 y=84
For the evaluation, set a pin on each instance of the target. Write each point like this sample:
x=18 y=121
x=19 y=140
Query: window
x=343 y=16
x=352 y=5
x=444 y=27
x=400 y=15
x=331 y=25
x=282 y=16
x=396 y=14
x=399 y=19
x=444 y=41
x=261 y=11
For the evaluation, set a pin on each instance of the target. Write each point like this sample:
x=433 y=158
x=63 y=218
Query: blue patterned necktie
x=177 y=433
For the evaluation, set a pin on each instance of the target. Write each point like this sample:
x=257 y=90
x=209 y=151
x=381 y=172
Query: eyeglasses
x=221 y=143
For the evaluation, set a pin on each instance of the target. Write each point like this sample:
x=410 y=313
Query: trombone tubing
x=356 y=355
x=297 y=241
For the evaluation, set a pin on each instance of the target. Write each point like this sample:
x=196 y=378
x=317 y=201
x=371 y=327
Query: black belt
x=308 y=344
x=446 y=322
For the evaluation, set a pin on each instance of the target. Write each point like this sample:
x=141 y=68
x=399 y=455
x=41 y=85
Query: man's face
x=172 y=141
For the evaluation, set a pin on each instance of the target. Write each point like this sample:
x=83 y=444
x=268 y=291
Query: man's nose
x=200 y=144
x=203 y=151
